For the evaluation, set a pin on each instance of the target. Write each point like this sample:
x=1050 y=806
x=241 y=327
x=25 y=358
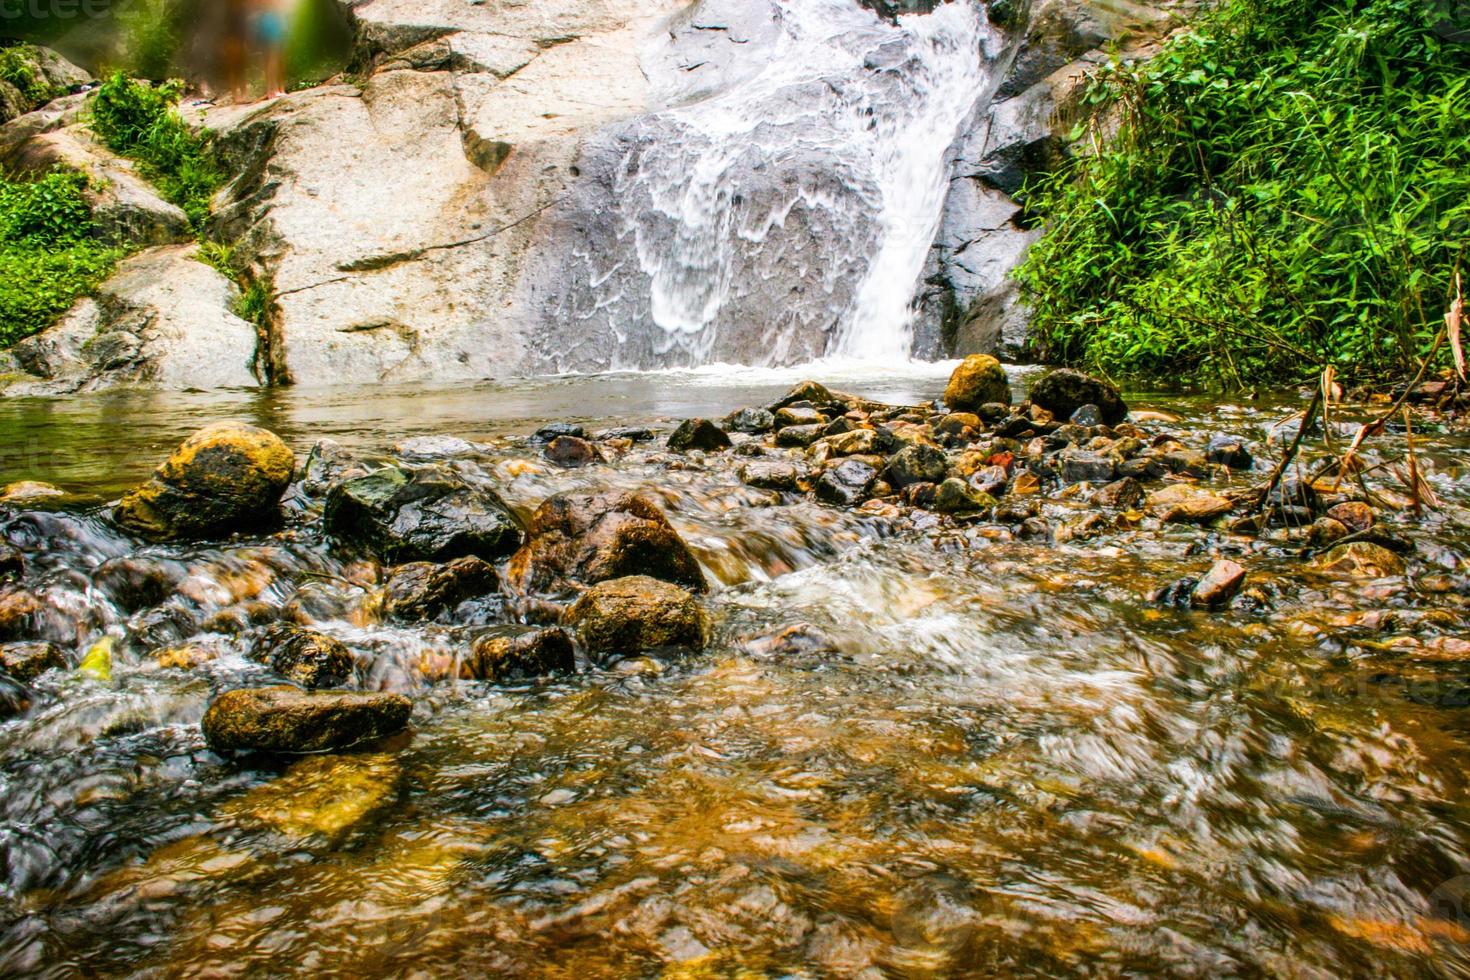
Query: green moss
x=18 y=68
x=1287 y=188
x=141 y=121
x=48 y=255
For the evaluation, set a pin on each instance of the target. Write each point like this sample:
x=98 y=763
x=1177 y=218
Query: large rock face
x=394 y=219
x=162 y=320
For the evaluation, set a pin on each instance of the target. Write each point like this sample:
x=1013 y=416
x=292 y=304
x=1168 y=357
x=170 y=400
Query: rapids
x=986 y=756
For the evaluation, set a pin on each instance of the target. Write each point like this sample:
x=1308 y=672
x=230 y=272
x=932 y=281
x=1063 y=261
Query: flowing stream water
x=989 y=756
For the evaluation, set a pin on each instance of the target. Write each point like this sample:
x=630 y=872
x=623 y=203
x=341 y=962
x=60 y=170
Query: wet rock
x=979 y=380
x=502 y=658
x=29 y=492
x=627 y=615
x=1017 y=510
x=553 y=431
x=957 y=424
x=18 y=614
x=800 y=436
x=1294 y=501
x=589 y=538
x=838 y=426
x=1186 y=462
x=423 y=591
x=799 y=415
x=1081 y=466
x=916 y=464
x=857 y=442
x=286 y=720
x=753 y=421
x=770 y=475
x=1361 y=559
x=846 y=483
x=1084 y=528
x=955 y=496
x=135 y=582
x=329 y=462
x=225 y=478
x=798 y=640
x=1221 y=584
x=1185 y=504
x=1124 y=494
x=1087 y=416
x=632 y=433
x=435 y=447
x=187 y=657
x=1062 y=392
x=324 y=797
x=429 y=514
x=15 y=697
x=314 y=602
x=810 y=392
x=699 y=434
x=1355 y=515
x=12 y=564
x=1229 y=451
x=305 y=657
x=1015 y=427
x=990 y=480
x=571 y=452
x=162 y=626
x=1324 y=531
x=921 y=495
x=27 y=661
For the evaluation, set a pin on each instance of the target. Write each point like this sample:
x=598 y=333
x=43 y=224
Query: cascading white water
x=785 y=211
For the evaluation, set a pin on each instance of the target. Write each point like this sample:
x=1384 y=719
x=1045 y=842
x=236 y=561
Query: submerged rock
x=27 y=661
x=329 y=462
x=501 y=658
x=1185 y=504
x=636 y=613
x=225 y=478
x=1221 y=584
x=979 y=380
x=1355 y=515
x=1064 y=391
x=571 y=452
x=305 y=657
x=12 y=564
x=1229 y=451
x=430 y=514
x=698 y=434
x=1361 y=559
x=18 y=614
x=770 y=475
x=28 y=492
x=325 y=797
x=589 y=538
x=290 y=721
x=422 y=591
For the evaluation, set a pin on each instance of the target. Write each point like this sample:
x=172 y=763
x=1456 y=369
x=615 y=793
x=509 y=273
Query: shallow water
x=1001 y=761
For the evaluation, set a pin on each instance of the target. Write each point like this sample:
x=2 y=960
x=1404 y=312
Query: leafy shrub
x=17 y=67
x=1287 y=185
x=47 y=255
x=141 y=121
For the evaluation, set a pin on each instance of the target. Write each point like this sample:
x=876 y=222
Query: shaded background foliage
x=1286 y=185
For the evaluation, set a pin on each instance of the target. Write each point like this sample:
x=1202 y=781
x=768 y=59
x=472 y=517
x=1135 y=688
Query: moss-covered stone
x=287 y=720
x=636 y=613
x=224 y=478
x=304 y=656
x=1063 y=391
x=978 y=380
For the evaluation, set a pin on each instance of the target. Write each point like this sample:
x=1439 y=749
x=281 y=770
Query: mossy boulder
x=225 y=478
x=501 y=658
x=1063 y=391
x=627 y=615
x=978 y=380
x=287 y=720
x=429 y=514
x=589 y=538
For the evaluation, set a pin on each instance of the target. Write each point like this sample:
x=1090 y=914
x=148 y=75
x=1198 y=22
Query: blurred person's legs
x=270 y=34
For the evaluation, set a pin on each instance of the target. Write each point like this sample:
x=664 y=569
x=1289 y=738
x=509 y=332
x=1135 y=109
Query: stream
x=979 y=754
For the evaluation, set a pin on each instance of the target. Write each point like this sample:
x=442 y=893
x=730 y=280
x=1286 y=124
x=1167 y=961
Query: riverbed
x=977 y=754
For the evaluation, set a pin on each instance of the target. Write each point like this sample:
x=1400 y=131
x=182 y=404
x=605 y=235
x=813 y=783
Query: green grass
x=48 y=257
x=1286 y=185
x=141 y=121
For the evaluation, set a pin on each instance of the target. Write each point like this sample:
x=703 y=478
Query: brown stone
x=290 y=721
x=636 y=613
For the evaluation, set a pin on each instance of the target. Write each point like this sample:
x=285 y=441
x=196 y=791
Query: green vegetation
x=142 y=121
x=48 y=256
x=1285 y=186
x=17 y=67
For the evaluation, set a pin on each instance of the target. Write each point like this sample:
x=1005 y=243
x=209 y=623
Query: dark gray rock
x=699 y=434
x=429 y=514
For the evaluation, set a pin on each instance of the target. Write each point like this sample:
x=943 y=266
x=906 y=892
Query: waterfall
x=782 y=209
